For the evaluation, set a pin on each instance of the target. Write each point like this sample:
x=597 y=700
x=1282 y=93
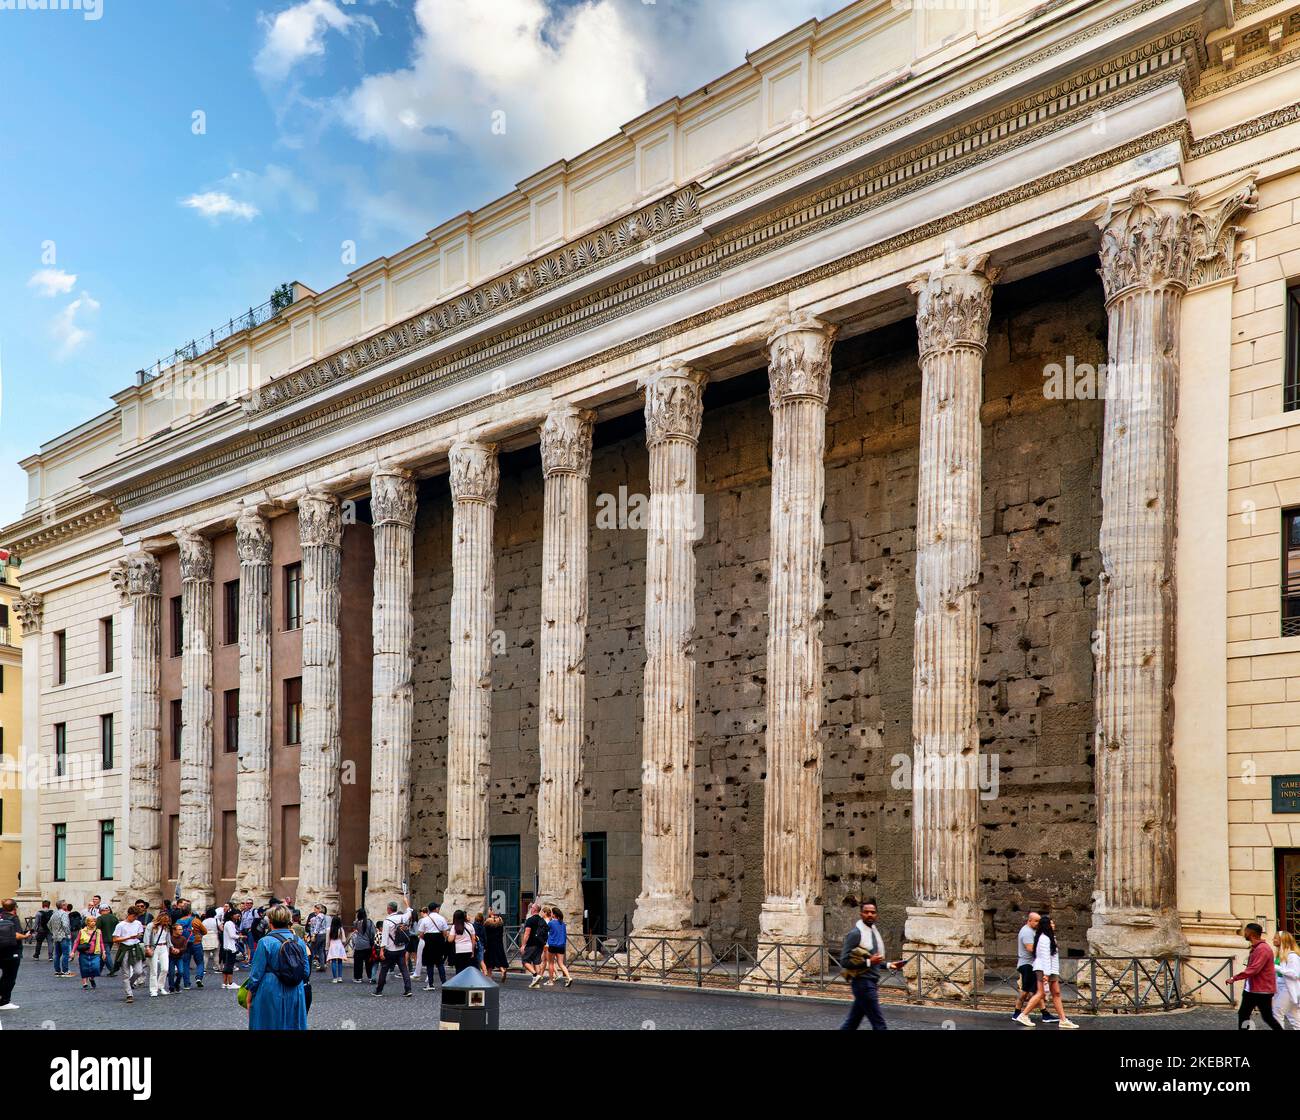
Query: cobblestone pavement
x=57 y=1004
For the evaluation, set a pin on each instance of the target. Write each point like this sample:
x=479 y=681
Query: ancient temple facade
x=867 y=476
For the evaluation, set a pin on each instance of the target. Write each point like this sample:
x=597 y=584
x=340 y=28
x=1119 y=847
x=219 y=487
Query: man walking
x=42 y=930
x=61 y=938
x=1261 y=980
x=12 y=935
x=128 y=936
x=396 y=928
x=1025 y=967
x=861 y=959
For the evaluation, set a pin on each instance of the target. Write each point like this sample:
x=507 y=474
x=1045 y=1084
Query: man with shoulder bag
x=861 y=960
x=395 y=934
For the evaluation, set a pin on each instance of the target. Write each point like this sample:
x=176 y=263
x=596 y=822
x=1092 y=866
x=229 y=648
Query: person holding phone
x=861 y=958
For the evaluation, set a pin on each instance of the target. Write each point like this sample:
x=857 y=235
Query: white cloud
x=67 y=327
x=298 y=33
x=218 y=204
x=50 y=282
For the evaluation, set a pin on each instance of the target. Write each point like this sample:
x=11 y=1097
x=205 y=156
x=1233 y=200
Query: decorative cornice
x=196 y=557
x=55 y=524
x=799 y=361
x=674 y=404
x=474 y=472
x=252 y=538
x=392 y=498
x=1246 y=130
x=953 y=302
x=137 y=575
x=320 y=521
x=30 y=609
x=566 y=441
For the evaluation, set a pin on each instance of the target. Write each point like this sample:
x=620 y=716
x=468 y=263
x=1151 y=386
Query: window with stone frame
x=1291 y=573
x=292 y=596
x=1291 y=343
x=293 y=711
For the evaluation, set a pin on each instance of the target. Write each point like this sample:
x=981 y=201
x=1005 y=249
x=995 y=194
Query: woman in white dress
x=1047 y=966
x=1286 y=1004
x=157 y=951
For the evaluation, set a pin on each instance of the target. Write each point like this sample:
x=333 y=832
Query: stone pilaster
x=194 y=859
x=392 y=507
x=320 y=531
x=799 y=382
x=254 y=873
x=674 y=410
x=474 y=480
x=566 y=465
x=1148 y=253
x=952 y=319
x=30 y=609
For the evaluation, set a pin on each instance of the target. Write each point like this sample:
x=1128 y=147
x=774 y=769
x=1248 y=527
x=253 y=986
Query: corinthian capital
x=475 y=474
x=674 y=403
x=953 y=302
x=137 y=575
x=320 y=521
x=30 y=609
x=799 y=364
x=1147 y=240
x=566 y=441
x=392 y=498
x=252 y=537
x=196 y=556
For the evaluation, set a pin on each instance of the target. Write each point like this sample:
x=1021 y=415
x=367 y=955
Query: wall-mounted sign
x=1286 y=793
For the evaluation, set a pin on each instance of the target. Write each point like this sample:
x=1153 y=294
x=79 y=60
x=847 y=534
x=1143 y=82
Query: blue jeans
x=62 y=951
x=193 y=951
x=336 y=969
x=865 y=1003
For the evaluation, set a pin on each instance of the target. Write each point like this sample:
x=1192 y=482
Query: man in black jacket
x=42 y=930
x=861 y=959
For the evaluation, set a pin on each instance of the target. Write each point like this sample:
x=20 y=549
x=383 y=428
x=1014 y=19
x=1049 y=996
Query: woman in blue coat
x=274 y=1005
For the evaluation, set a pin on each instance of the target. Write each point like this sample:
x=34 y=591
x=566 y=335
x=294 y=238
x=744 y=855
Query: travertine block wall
x=1039 y=554
x=1264 y=481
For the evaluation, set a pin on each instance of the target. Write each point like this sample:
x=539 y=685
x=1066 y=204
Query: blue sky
x=166 y=165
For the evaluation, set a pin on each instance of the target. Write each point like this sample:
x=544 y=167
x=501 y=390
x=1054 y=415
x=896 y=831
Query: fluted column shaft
x=673 y=412
x=320 y=531
x=475 y=477
x=194 y=860
x=799 y=375
x=254 y=873
x=138 y=582
x=1146 y=263
x=30 y=609
x=392 y=507
x=566 y=464
x=953 y=307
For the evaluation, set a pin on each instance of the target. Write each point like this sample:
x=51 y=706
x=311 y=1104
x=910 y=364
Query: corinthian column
x=799 y=382
x=30 y=609
x=674 y=410
x=320 y=531
x=1146 y=263
x=392 y=507
x=952 y=320
x=566 y=464
x=474 y=479
x=194 y=860
x=254 y=873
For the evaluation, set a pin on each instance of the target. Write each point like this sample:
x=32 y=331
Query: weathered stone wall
x=1037 y=598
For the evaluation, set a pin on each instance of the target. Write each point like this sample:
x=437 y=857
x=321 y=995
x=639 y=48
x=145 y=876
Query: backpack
x=290 y=965
x=364 y=938
x=9 y=926
x=400 y=935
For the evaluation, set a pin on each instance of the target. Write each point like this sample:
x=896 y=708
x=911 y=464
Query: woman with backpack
x=277 y=979
x=90 y=953
x=363 y=948
x=157 y=948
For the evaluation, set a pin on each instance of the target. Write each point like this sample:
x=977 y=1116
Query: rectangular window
x=293 y=711
x=178 y=725
x=60 y=657
x=1290 y=573
x=106 y=644
x=173 y=844
x=292 y=596
x=178 y=627
x=105 y=849
x=60 y=852
x=60 y=749
x=231 y=600
x=1291 y=344
x=106 y=752
x=289 y=842
x=229 y=845
x=232 y=720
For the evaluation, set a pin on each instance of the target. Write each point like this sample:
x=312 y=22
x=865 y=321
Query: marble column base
x=791 y=932
x=1135 y=933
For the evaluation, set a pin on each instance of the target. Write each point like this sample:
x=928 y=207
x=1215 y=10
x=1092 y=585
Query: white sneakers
x=8 y=1007
x=1068 y=1025
x=1025 y=1021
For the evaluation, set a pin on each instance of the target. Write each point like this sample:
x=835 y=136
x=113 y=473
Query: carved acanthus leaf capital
x=252 y=537
x=674 y=403
x=392 y=498
x=320 y=521
x=1148 y=240
x=799 y=364
x=954 y=301
x=474 y=472
x=30 y=609
x=196 y=557
x=137 y=575
x=1215 y=233
x=566 y=441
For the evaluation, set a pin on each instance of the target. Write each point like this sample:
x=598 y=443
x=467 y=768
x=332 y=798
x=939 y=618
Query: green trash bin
x=470 y=1002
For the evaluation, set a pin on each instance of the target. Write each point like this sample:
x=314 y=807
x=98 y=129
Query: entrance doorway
x=595 y=876
x=1287 y=864
x=503 y=878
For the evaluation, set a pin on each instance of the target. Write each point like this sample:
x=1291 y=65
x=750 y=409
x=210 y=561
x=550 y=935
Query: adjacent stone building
x=867 y=476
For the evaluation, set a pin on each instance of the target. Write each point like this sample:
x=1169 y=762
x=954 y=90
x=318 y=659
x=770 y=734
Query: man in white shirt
x=862 y=957
x=396 y=922
x=433 y=930
x=128 y=934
